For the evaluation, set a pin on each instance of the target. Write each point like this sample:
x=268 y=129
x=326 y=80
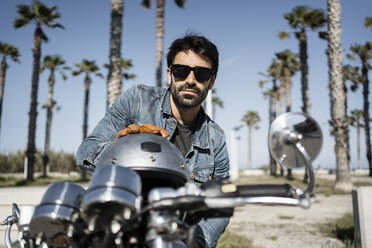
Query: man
x=192 y=70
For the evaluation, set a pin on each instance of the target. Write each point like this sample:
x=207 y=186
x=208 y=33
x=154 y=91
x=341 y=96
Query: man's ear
x=213 y=79
x=169 y=75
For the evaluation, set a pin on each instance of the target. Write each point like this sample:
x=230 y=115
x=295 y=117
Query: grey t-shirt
x=183 y=137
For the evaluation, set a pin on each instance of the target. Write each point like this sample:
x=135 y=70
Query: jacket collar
x=165 y=103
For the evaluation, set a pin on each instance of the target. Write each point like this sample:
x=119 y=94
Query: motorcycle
x=140 y=194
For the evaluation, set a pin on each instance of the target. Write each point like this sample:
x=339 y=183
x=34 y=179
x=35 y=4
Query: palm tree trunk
x=288 y=87
x=281 y=105
x=304 y=72
x=159 y=40
x=275 y=100
x=366 y=114
x=271 y=107
x=31 y=149
x=85 y=121
x=114 y=83
x=358 y=142
x=86 y=105
x=272 y=118
x=250 y=147
x=338 y=97
x=281 y=95
x=288 y=108
x=2 y=84
x=48 y=124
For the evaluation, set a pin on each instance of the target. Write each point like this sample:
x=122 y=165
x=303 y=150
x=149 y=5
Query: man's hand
x=145 y=128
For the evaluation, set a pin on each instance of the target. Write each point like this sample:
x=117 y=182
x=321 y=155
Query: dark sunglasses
x=202 y=74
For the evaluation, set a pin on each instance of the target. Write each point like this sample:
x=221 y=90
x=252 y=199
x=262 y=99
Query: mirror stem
x=309 y=168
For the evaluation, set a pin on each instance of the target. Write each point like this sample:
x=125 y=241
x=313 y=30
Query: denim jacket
x=207 y=157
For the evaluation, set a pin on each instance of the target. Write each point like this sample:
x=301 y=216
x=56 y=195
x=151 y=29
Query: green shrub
x=58 y=161
x=342 y=229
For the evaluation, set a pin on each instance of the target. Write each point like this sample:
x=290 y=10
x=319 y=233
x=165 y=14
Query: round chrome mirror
x=292 y=128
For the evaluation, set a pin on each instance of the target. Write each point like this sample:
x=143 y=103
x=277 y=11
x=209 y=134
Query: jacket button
x=192 y=176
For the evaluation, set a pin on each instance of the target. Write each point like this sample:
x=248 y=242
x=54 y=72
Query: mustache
x=188 y=87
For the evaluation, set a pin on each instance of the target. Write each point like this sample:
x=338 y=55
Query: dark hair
x=197 y=44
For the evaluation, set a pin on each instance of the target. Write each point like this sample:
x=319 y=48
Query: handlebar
x=230 y=195
x=279 y=190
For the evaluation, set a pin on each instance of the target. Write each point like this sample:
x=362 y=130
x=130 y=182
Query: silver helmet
x=155 y=159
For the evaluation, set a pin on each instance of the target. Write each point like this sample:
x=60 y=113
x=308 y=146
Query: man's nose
x=191 y=78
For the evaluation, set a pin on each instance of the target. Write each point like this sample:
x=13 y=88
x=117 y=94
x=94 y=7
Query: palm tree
x=114 y=78
x=356 y=116
x=251 y=118
x=40 y=15
x=289 y=66
x=271 y=95
x=364 y=52
x=53 y=63
x=338 y=97
x=300 y=19
x=125 y=65
x=160 y=6
x=87 y=67
x=368 y=22
x=273 y=73
x=5 y=50
x=216 y=101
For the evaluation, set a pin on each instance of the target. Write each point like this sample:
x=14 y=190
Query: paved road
x=20 y=195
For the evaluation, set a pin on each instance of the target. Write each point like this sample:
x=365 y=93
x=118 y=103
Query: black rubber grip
x=281 y=190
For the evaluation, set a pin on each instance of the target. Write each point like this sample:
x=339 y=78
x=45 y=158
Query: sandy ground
x=290 y=227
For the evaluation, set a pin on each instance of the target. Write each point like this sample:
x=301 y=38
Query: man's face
x=189 y=92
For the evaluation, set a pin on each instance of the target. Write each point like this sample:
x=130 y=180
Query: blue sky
x=245 y=33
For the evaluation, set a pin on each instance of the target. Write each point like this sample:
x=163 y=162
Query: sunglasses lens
x=180 y=72
x=203 y=74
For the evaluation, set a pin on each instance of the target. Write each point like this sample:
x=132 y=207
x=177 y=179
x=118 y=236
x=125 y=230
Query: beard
x=187 y=101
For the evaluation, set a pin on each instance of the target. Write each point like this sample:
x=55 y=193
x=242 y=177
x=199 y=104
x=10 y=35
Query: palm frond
x=368 y=22
x=21 y=22
x=78 y=72
x=9 y=50
x=63 y=75
x=283 y=35
x=42 y=35
x=180 y=3
x=129 y=76
x=25 y=12
x=261 y=83
x=99 y=75
x=126 y=64
x=146 y=4
x=323 y=35
x=56 y=25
